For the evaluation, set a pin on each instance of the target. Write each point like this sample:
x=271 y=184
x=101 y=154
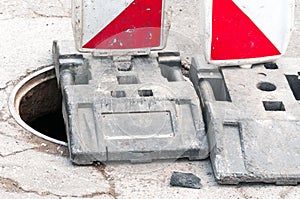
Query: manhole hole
x=35 y=103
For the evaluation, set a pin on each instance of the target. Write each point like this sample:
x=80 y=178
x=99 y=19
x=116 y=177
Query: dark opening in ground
x=52 y=125
x=40 y=106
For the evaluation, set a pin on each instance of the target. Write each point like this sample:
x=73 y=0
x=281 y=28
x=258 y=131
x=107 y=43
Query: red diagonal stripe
x=235 y=36
x=138 y=26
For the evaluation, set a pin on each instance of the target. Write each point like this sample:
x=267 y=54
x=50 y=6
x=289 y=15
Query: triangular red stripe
x=138 y=26
x=235 y=36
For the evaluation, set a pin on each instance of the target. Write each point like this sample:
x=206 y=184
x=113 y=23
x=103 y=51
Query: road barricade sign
x=246 y=32
x=121 y=25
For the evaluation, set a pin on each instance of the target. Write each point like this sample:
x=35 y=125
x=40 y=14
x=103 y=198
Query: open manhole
x=35 y=103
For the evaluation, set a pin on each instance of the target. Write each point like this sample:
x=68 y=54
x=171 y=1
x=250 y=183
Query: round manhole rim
x=15 y=114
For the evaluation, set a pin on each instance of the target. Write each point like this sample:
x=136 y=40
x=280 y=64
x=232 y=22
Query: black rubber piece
x=187 y=180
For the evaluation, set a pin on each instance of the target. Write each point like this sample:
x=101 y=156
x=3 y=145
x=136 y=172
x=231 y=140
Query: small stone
x=188 y=180
x=43 y=145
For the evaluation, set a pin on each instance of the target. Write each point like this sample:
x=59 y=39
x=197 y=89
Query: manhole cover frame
x=14 y=104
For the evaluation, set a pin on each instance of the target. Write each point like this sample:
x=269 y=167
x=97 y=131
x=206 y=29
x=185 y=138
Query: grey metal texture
x=253 y=121
x=128 y=109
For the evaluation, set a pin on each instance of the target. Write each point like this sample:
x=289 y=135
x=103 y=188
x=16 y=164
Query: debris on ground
x=187 y=180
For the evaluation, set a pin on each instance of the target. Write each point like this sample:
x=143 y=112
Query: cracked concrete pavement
x=34 y=168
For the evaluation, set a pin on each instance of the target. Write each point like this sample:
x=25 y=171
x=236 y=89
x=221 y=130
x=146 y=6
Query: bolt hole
x=266 y=86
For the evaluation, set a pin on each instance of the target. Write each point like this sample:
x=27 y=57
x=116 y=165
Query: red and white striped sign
x=247 y=32
x=120 y=24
